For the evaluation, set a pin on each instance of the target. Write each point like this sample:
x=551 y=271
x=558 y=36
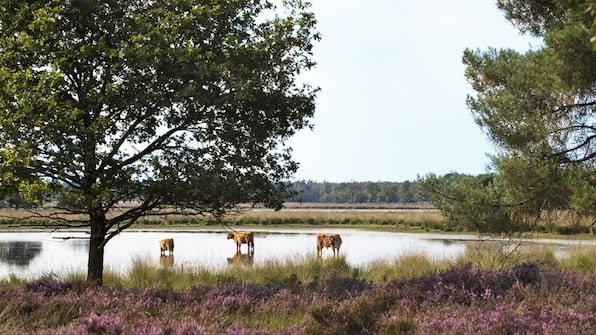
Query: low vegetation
x=387 y=217
x=481 y=292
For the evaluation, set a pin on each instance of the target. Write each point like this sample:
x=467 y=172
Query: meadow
x=386 y=217
x=484 y=291
x=487 y=290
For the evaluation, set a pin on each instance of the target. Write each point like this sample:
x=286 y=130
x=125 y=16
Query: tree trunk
x=96 y=252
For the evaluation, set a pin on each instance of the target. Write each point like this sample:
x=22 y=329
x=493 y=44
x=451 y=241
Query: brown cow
x=166 y=244
x=332 y=241
x=246 y=237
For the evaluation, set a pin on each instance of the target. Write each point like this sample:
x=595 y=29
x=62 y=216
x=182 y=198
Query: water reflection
x=447 y=242
x=32 y=255
x=242 y=259
x=77 y=244
x=167 y=261
x=19 y=253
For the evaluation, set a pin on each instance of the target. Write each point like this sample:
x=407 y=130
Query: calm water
x=31 y=255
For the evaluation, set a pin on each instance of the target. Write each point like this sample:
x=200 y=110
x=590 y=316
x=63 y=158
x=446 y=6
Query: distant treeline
x=405 y=192
x=358 y=192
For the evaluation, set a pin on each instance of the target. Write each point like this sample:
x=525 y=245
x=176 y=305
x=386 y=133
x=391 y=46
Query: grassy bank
x=481 y=292
x=386 y=217
x=308 y=269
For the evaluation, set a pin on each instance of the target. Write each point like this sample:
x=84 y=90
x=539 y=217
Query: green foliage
x=538 y=17
x=523 y=198
x=168 y=103
x=470 y=202
x=582 y=185
x=538 y=107
x=356 y=192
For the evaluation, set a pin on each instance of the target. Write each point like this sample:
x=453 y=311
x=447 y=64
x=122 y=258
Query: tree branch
x=586 y=142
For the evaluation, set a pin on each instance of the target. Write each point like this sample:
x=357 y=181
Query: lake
x=31 y=255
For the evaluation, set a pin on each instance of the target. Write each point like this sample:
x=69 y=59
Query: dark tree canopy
x=404 y=192
x=173 y=104
x=540 y=103
x=541 y=16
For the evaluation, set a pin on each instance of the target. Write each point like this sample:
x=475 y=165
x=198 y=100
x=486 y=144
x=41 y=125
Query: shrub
x=351 y=316
x=526 y=273
x=529 y=298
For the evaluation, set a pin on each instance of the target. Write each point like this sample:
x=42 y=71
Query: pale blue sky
x=392 y=101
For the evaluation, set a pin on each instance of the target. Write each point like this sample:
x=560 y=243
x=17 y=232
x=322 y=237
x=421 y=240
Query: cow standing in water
x=246 y=237
x=166 y=245
x=332 y=241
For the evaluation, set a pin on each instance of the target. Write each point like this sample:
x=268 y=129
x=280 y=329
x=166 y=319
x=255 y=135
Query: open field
x=293 y=214
x=388 y=217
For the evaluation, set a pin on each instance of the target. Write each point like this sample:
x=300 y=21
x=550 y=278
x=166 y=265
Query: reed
x=497 y=256
x=346 y=216
x=305 y=269
x=502 y=255
x=582 y=259
x=143 y=273
x=409 y=266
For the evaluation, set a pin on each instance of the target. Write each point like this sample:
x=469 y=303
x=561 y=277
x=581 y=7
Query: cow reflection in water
x=242 y=259
x=167 y=261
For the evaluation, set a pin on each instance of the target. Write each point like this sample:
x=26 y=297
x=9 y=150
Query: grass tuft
x=583 y=259
x=409 y=266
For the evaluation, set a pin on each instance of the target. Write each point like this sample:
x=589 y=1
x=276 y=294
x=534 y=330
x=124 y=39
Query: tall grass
x=503 y=255
x=411 y=294
x=309 y=268
x=406 y=267
x=412 y=219
x=582 y=259
x=145 y=274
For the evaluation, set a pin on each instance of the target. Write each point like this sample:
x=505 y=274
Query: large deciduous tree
x=174 y=104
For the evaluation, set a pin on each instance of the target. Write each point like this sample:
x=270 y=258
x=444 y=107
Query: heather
x=539 y=295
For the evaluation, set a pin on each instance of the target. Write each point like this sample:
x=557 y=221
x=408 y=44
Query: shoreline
x=531 y=237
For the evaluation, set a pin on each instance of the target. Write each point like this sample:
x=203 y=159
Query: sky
x=392 y=101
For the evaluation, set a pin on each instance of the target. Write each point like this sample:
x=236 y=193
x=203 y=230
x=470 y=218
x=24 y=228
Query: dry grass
x=403 y=217
x=305 y=212
x=325 y=215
